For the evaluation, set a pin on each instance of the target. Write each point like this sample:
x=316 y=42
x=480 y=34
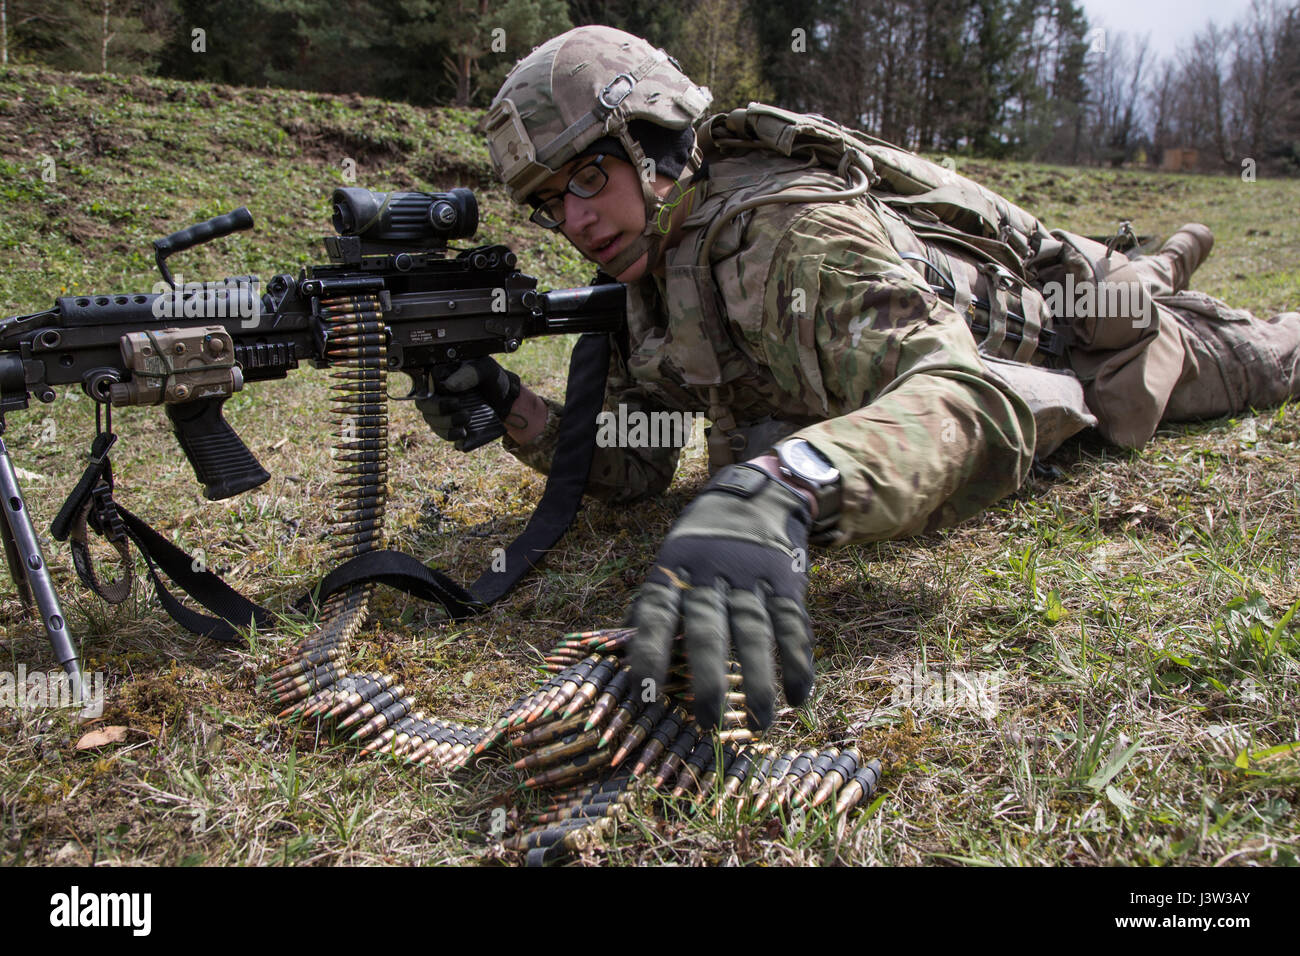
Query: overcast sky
x=1170 y=22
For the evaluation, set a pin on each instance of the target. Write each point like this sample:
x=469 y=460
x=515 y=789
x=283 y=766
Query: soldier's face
x=602 y=226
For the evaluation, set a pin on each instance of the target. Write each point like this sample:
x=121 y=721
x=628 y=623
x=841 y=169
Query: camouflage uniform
x=845 y=323
x=826 y=328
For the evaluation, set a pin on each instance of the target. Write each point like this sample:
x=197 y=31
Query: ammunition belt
x=585 y=736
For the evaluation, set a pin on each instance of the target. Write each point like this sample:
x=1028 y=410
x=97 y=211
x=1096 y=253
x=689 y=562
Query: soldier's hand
x=447 y=409
x=732 y=573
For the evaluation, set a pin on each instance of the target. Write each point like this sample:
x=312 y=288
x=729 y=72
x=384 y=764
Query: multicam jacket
x=808 y=315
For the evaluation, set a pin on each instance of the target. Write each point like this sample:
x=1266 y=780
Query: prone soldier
x=882 y=346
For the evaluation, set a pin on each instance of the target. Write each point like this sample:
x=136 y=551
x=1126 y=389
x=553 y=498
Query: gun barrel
x=597 y=308
x=13 y=382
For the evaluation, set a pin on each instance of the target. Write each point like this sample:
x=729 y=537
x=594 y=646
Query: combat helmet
x=579 y=87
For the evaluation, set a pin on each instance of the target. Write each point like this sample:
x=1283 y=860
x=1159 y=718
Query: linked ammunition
x=677 y=753
x=759 y=775
x=365 y=690
x=700 y=762
x=737 y=772
x=401 y=733
x=355 y=352
x=521 y=712
x=778 y=795
x=735 y=735
x=361 y=456
x=430 y=730
x=859 y=789
x=546 y=733
x=583 y=765
x=845 y=766
x=661 y=738
x=774 y=777
x=389 y=714
x=373 y=706
x=304 y=686
x=584 y=796
x=711 y=773
x=569 y=732
x=325 y=698
x=615 y=784
x=810 y=781
x=306 y=663
x=352 y=336
x=568 y=747
x=613 y=807
x=627 y=712
x=332 y=670
x=596 y=681
x=614 y=692
x=565 y=833
x=573 y=679
x=649 y=719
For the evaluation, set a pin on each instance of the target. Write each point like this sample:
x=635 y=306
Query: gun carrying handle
x=213 y=228
x=221 y=461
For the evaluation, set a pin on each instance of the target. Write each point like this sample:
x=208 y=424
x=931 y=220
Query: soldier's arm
x=921 y=435
x=618 y=475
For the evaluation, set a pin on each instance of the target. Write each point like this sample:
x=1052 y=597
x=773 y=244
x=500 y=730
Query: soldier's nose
x=579 y=213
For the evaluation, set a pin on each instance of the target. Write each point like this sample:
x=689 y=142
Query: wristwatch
x=808 y=468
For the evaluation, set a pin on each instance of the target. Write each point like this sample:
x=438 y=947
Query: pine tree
x=719 y=49
x=89 y=36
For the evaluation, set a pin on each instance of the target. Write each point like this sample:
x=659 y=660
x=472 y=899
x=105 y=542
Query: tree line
x=1030 y=79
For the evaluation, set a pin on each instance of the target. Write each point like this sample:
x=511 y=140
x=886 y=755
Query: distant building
x=1180 y=160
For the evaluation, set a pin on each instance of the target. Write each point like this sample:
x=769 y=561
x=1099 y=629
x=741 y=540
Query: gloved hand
x=447 y=412
x=733 y=569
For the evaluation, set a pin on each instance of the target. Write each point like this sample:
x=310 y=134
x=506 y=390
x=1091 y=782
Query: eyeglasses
x=585 y=182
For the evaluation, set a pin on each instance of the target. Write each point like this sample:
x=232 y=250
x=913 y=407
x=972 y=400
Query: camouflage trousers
x=1175 y=355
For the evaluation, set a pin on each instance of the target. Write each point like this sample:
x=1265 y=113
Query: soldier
x=881 y=345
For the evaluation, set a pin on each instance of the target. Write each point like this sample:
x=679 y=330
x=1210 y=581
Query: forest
x=1015 y=79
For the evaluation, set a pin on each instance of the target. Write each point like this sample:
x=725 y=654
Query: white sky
x=1170 y=22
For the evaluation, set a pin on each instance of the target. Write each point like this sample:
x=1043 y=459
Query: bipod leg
x=27 y=565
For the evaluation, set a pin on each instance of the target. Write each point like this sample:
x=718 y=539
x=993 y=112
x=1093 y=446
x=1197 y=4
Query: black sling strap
x=561 y=498
x=232 y=608
x=584 y=399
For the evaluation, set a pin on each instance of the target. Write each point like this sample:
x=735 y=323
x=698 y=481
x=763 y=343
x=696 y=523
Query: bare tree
x=1116 y=80
x=1254 y=78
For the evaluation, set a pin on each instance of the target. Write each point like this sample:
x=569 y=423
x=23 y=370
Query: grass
x=1133 y=622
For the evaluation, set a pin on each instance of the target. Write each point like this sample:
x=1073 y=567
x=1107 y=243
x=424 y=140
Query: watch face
x=807 y=462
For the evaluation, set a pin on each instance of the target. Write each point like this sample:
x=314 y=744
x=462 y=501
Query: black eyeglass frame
x=541 y=218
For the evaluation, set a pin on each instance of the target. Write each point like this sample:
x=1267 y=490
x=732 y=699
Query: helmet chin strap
x=651 y=241
x=641 y=245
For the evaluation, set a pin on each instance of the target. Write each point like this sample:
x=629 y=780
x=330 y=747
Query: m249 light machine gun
x=392 y=298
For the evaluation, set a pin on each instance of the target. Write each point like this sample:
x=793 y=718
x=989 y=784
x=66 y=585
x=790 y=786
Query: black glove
x=467 y=384
x=734 y=569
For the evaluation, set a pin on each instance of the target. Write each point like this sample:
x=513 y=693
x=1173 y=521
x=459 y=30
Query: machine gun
x=393 y=298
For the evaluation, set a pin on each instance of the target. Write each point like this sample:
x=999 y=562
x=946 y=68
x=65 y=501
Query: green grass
x=1138 y=614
